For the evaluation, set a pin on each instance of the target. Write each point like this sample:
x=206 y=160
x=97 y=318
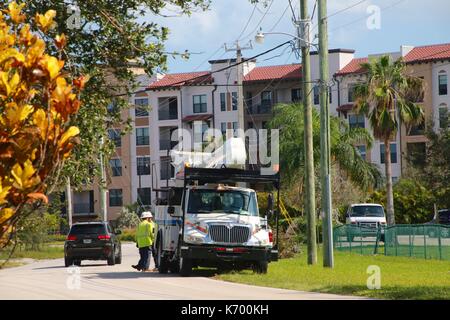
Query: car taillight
x=353 y=222
x=71 y=238
x=104 y=237
x=270 y=236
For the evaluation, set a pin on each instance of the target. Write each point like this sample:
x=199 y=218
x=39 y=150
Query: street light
x=260 y=38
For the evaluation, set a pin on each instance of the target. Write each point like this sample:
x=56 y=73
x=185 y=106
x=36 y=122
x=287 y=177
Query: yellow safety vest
x=145 y=234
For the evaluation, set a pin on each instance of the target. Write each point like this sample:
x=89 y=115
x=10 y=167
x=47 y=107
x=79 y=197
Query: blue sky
x=408 y=22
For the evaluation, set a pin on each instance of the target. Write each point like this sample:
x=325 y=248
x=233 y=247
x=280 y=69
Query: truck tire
x=261 y=267
x=174 y=267
x=163 y=263
x=77 y=262
x=185 y=267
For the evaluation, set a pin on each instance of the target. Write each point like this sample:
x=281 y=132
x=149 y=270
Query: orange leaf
x=38 y=196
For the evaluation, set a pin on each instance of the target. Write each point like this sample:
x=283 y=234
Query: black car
x=92 y=241
x=442 y=217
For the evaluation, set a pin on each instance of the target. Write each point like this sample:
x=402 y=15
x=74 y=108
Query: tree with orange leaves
x=37 y=101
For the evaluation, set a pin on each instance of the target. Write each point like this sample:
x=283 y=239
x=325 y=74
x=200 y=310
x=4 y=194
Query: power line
x=345 y=9
x=260 y=21
x=248 y=22
x=281 y=17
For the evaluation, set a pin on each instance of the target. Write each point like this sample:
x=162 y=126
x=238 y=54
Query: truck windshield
x=226 y=201
x=367 y=211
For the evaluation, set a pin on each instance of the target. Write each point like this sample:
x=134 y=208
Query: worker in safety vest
x=145 y=236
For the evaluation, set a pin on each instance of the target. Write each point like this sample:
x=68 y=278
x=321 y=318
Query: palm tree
x=289 y=119
x=386 y=96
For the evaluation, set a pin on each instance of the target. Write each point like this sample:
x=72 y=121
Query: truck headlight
x=195 y=238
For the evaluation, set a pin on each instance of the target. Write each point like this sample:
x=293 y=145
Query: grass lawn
x=401 y=277
x=47 y=252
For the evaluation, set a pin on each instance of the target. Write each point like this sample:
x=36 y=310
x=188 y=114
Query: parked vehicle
x=92 y=241
x=209 y=220
x=369 y=217
x=441 y=217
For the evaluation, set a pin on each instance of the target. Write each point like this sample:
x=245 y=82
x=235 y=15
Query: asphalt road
x=49 y=279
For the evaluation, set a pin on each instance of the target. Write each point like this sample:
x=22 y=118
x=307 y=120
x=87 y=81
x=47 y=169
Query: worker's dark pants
x=144 y=261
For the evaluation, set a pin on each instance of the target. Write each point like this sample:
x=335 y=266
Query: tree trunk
x=389 y=191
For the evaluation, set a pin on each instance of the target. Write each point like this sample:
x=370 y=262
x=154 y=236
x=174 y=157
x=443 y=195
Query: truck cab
x=370 y=218
x=216 y=223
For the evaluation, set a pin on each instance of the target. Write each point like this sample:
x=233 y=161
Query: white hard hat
x=146 y=214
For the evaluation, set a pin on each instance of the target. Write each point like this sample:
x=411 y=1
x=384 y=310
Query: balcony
x=167 y=109
x=167 y=144
x=263 y=108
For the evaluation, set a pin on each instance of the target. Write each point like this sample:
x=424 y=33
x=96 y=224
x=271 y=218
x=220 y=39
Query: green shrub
x=128 y=235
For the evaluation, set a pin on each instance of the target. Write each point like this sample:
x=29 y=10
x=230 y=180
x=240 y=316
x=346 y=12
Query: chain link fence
x=426 y=241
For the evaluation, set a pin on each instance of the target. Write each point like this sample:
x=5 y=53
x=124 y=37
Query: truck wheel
x=261 y=267
x=185 y=267
x=174 y=267
x=77 y=263
x=163 y=264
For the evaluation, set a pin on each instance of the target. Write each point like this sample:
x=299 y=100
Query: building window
x=223 y=128
x=115 y=198
x=116 y=167
x=168 y=108
x=223 y=101
x=199 y=103
x=115 y=136
x=296 y=95
x=234 y=100
x=443 y=116
x=356 y=121
x=393 y=153
x=350 y=93
x=362 y=151
x=316 y=94
x=141 y=107
x=416 y=153
x=249 y=100
x=112 y=107
x=442 y=79
x=167 y=170
x=143 y=166
x=144 y=196
x=266 y=101
x=142 y=138
x=235 y=127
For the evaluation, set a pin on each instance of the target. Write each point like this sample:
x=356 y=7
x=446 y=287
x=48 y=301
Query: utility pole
x=102 y=184
x=310 y=206
x=325 y=168
x=69 y=202
x=240 y=77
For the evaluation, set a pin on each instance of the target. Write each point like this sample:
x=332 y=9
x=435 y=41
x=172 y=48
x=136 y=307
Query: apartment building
x=128 y=170
x=431 y=63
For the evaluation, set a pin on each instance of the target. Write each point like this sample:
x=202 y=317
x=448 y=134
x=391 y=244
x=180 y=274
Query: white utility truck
x=209 y=219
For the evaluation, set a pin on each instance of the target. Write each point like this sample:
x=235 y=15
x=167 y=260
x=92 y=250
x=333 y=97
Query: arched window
x=442 y=83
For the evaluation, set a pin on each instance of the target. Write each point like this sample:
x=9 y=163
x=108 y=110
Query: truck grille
x=372 y=225
x=224 y=234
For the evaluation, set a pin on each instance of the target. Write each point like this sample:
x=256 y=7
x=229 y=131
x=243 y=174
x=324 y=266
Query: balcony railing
x=260 y=108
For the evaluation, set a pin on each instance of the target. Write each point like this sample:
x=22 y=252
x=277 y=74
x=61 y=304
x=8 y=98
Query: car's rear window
x=88 y=229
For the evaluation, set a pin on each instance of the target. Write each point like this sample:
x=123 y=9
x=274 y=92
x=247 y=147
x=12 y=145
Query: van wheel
x=185 y=267
x=112 y=259
x=119 y=257
x=77 y=263
x=261 y=267
x=68 y=262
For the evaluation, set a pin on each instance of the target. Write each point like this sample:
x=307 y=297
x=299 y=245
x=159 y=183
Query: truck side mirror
x=171 y=210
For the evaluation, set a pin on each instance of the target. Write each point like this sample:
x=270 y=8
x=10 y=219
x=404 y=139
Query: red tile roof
x=288 y=71
x=353 y=66
x=429 y=53
x=180 y=79
x=416 y=55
